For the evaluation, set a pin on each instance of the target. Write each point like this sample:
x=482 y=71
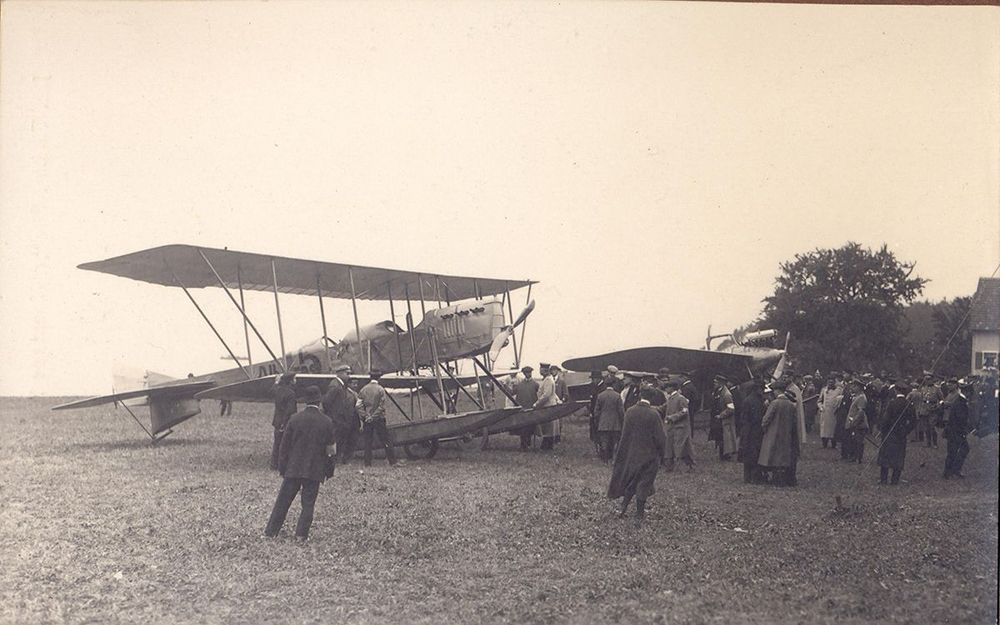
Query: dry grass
x=98 y=526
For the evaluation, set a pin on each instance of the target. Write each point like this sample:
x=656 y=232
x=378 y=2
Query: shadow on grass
x=138 y=444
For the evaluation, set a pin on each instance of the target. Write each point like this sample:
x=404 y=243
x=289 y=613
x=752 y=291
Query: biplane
x=738 y=357
x=473 y=320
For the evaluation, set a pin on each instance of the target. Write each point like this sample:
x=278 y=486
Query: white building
x=984 y=322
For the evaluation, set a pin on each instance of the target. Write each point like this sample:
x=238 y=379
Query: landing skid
x=159 y=437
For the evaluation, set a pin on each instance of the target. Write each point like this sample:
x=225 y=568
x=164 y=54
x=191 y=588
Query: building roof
x=985 y=314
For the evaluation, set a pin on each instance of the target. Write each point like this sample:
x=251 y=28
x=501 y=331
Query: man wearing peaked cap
x=303 y=461
x=283 y=394
x=551 y=431
x=340 y=404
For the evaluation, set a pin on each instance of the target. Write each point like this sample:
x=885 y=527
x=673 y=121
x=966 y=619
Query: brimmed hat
x=312 y=395
x=342 y=368
x=663 y=372
x=555 y=367
x=612 y=369
x=375 y=374
x=287 y=376
x=526 y=369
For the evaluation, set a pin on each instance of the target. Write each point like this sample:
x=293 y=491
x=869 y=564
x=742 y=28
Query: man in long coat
x=840 y=433
x=779 y=448
x=609 y=412
x=956 y=431
x=551 y=430
x=640 y=452
x=677 y=426
x=526 y=394
x=856 y=424
x=304 y=462
x=723 y=428
x=829 y=400
x=751 y=432
x=898 y=420
x=340 y=404
x=284 y=407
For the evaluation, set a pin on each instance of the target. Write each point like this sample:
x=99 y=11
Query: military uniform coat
x=640 y=451
x=677 y=427
x=898 y=421
x=723 y=429
x=303 y=446
x=284 y=405
x=547 y=397
x=779 y=447
x=751 y=430
x=829 y=401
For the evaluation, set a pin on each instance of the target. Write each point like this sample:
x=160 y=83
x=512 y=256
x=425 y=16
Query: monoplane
x=473 y=320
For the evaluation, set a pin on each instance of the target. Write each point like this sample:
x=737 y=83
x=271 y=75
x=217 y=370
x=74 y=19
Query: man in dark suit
x=303 y=462
x=339 y=404
x=284 y=407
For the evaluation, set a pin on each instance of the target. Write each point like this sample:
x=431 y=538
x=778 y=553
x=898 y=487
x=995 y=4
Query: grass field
x=98 y=526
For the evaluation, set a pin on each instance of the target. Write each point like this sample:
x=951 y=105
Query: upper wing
x=180 y=389
x=693 y=362
x=173 y=265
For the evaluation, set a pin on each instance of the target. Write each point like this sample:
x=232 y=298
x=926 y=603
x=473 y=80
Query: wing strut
x=462 y=388
x=277 y=309
x=493 y=378
x=413 y=349
x=246 y=331
x=152 y=439
x=242 y=310
x=524 y=326
x=205 y=317
x=395 y=328
x=510 y=310
x=322 y=316
x=434 y=353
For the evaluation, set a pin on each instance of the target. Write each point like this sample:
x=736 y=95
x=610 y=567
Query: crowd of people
x=764 y=425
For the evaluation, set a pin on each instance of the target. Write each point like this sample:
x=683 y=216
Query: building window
x=986 y=359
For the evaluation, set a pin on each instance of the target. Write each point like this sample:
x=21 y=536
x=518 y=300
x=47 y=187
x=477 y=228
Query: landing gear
x=421 y=451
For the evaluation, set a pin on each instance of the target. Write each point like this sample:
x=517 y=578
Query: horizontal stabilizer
x=694 y=362
x=178 y=390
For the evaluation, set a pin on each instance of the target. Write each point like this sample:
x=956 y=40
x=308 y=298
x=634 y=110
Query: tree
x=843 y=307
x=937 y=336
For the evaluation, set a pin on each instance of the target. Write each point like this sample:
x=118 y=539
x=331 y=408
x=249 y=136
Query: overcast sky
x=651 y=164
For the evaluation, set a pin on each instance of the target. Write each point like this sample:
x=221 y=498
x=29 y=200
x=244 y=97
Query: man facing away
x=856 y=424
x=829 y=400
x=751 y=432
x=371 y=408
x=677 y=427
x=638 y=458
x=284 y=407
x=340 y=404
x=779 y=449
x=723 y=428
x=897 y=422
x=304 y=462
x=956 y=430
x=609 y=413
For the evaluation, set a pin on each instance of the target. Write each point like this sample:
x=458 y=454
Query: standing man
x=284 y=407
x=723 y=417
x=751 y=430
x=551 y=430
x=809 y=396
x=829 y=400
x=930 y=400
x=779 y=448
x=678 y=428
x=898 y=421
x=638 y=458
x=956 y=430
x=856 y=424
x=526 y=394
x=609 y=412
x=303 y=461
x=340 y=404
x=840 y=433
x=371 y=408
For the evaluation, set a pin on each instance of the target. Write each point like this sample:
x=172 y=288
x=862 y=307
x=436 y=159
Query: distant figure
x=779 y=448
x=526 y=394
x=303 y=461
x=840 y=432
x=225 y=408
x=928 y=404
x=829 y=400
x=637 y=461
x=751 y=430
x=340 y=404
x=371 y=408
x=856 y=424
x=677 y=426
x=723 y=428
x=897 y=422
x=284 y=407
x=809 y=397
x=956 y=430
x=609 y=412
x=551 y=430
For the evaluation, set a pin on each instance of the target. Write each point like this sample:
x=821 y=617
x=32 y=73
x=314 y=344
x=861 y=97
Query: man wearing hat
x=830 y=399
x=526 y=394
x=897 y=422
x=856 y=424
x=751 y=432
x=956 y=430
x=551 y=430
x=779 y=448
x=723 y=428
x=677 y=427
x=371 y=409
x=284 y=407
x=929 y=400
x=637 y=461
x=340 y=404
x=609 y=414
x=303 y=462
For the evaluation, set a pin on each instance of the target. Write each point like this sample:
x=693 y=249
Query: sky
x=651 y=164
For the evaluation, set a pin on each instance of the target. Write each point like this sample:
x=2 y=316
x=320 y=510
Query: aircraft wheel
x=421 y=451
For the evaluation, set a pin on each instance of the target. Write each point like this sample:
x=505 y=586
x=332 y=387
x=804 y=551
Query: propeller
x=505 y=333
x=780 y=369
